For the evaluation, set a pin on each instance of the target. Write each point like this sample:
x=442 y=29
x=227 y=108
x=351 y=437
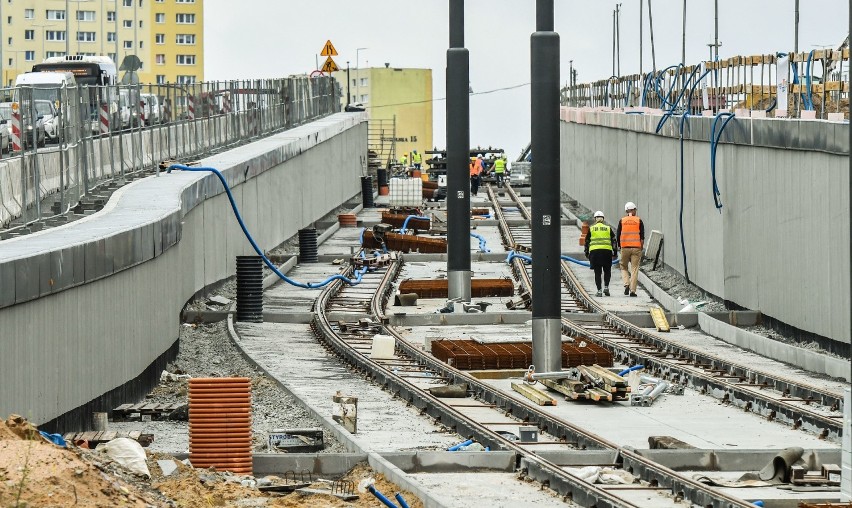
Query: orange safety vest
x=475 y=167
x=630 y=232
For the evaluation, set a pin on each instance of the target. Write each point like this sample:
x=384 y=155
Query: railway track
x=771 y=396
x=340 y=325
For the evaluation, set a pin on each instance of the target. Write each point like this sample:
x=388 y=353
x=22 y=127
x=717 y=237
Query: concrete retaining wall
x=86 y=307
x=780 y=242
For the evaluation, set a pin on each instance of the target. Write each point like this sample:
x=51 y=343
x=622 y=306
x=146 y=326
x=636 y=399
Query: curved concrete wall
x=86 y=307
x=780 y=242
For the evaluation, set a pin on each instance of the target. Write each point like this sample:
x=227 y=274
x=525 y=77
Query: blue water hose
x=682 y=185
x=809 y=98
x=381 y=497
x=686 y=83
x=631 y=369
x=401 y=500
x=309 y=285
x=528 y=260
x=455 y=448
x=404 y=224
x=714 y=143
x=483 y=247
x=627 y=97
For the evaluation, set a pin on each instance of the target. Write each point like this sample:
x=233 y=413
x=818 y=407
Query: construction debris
x=534 y=394
x=467 y=354
x=593 y=383
x=403 y=243
x=296 y=440
x=94 y=438
x=151 y=410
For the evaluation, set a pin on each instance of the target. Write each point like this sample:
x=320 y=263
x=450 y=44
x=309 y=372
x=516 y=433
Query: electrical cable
x=309 y=285
x=680 y=217
x=809 y=98
x=486 y=92
x=528 y=260
x=483 y=247
x=714 y=142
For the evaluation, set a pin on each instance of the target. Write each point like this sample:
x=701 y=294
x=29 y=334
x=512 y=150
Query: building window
x=185 y=19
x=185 y=80
x=141 y=44
x=365 y=97
x=161 y=59
x=186 y=59
x=112 y=56
x=111 y=16
x=140 y=3
x=9 y=20
x=128 y=44
x=127 y=23
x=159 y=17
x=159 y=1
x=111 y=37
x=85 y=36
x=29 y=56
x=160 y=38
x=140 y=24
x=29 y=13
x=54 y=54
x=184 y=1
x=54 y=35
x=29 y=35
x=185 y=39
x=85 y=15
x=364 y=81
x=54 y=15
x=161 y=79
x=127 y=3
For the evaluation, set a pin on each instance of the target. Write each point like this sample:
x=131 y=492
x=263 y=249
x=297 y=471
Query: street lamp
x=358 y=71
x=43 y=36
x=67 y=28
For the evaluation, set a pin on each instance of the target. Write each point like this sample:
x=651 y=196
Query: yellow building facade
x=166 y=35
x=387 y=93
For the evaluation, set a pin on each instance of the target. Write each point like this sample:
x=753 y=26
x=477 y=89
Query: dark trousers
x=601 y=261
x=474 y=184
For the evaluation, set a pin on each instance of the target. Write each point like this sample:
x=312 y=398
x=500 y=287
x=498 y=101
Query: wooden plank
x=659 y=318
x=533 y=394
x=556 y=386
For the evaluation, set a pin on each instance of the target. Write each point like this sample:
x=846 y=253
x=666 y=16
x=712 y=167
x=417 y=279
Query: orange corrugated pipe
x=220 y=424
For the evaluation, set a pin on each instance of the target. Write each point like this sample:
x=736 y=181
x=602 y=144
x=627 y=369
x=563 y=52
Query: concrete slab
x=488 y=490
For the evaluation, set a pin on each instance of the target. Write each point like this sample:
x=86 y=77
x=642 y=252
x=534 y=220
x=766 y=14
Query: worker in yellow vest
x=417 y=159
x=500 y=169
x=631 y=238
x=403 y=161
x=601 y=250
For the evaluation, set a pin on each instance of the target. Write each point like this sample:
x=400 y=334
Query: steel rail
x=535 y=467
x=723 y=379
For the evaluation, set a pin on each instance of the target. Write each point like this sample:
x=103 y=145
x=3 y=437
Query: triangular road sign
x=328 y=49
x=329 y=65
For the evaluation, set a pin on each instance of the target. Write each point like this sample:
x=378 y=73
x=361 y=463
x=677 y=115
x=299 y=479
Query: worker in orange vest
x=475 y=174
x=631 y=238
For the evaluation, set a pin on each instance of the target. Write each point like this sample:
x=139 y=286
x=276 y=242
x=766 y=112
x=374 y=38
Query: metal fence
x=796 y=85
x=64 y=143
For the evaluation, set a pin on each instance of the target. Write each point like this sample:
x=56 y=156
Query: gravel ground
x=207 y=351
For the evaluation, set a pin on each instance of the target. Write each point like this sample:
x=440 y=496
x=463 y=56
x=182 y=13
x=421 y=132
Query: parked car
x=50 y=119
x=520 y=174
x=31 y=131
x=152 y=109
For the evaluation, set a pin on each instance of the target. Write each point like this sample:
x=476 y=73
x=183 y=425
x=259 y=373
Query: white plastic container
x=406 y=192
x=382 y=348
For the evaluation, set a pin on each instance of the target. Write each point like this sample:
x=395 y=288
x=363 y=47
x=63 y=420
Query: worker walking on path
x=475 y=174
x=601 y=249
x=417 y=159
x=500 y=169
x=631 y=238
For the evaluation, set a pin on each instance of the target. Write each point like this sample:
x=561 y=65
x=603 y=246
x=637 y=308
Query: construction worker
x=631 y=238
x=417 y=159
x=403 y=161
x=500 y=169
x=601 y=250
x=475 y=174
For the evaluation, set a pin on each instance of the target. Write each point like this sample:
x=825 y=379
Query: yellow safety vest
x=499 y=166
x=600 y=237
x=417 y=158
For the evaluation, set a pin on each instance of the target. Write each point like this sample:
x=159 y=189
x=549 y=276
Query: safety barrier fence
x=65 y=143
x=810 y=85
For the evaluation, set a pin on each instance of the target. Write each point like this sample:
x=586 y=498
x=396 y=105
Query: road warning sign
x=329 y=65
x=328 y=50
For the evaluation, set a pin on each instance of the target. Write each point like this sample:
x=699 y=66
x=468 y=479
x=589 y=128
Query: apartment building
x=165 y=35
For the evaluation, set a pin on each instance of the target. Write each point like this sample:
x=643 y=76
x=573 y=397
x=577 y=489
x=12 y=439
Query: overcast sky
x=274 y=38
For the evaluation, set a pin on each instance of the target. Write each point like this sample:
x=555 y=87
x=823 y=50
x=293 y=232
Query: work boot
x=632 y=293
x=626 y=290
x=599 y=293
x=606 y=290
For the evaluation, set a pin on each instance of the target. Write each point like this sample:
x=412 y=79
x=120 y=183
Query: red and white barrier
x=190 y=107
x=16 y=129
x=226 y=103
x=104 y=118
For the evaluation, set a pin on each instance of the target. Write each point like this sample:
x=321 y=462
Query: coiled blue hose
x=405 y=224
x=483 y=247
x=714 y=141
x=309 y=285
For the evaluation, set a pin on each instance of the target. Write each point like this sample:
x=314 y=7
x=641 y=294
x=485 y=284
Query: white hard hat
x=599 y=214
x=630 y=205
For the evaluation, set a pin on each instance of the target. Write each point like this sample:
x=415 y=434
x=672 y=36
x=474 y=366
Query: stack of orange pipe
x=220 y=424
x=348 y=220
